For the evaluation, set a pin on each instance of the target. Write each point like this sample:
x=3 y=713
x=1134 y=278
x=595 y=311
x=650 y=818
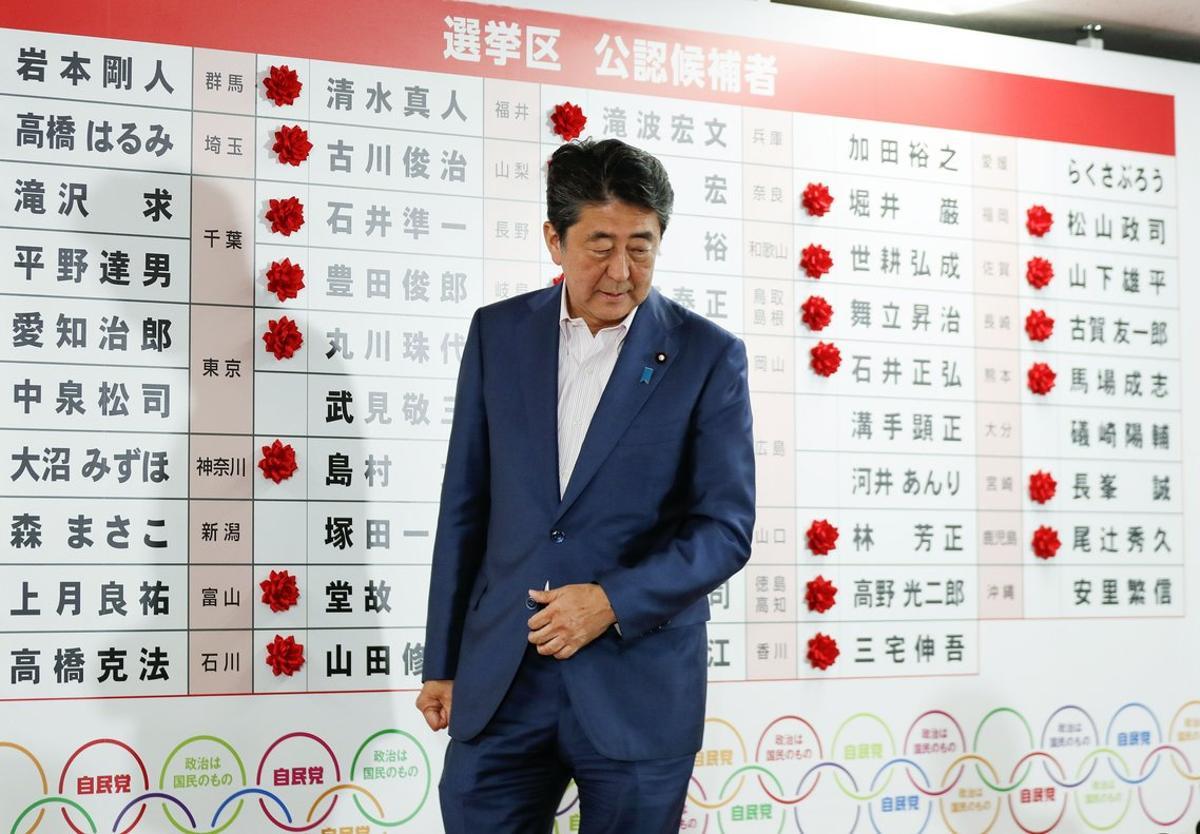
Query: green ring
x=975 y=748
x=428 y=777
x=732 y=776
x=162 y=777
x=837 y=777
x=1128 y=792
x=47 y=800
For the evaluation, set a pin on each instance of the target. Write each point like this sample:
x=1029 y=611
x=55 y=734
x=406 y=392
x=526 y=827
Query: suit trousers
x=510 y=778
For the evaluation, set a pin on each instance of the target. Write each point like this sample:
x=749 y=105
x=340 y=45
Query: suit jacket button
x=557 y=536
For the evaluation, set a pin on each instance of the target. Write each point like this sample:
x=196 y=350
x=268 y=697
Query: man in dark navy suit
x=599 y=484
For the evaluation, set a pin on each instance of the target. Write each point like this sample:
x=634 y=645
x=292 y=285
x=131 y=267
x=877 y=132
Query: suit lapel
x=624 y=394
x=539 y=383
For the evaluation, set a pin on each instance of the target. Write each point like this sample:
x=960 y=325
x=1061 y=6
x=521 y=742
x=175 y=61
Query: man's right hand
x=434 y=703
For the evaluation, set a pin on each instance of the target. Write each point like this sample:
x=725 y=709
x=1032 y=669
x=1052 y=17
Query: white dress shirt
x=585 y=363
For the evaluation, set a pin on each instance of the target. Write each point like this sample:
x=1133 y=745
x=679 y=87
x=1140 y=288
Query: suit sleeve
x=713 y=542
x=462 y=516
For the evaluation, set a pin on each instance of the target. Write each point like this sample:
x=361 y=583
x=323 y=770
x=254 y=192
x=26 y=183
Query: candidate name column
x=96 y=151
x=395 y=246
x=219 y=515
x=1101 y=380
x=885 y=371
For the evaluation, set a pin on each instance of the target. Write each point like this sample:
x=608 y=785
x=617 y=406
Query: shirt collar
x=565 y=318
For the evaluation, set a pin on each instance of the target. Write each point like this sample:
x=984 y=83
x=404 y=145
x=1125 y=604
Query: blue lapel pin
x=647 y=372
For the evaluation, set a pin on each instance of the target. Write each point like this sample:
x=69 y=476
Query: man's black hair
x=591 y=173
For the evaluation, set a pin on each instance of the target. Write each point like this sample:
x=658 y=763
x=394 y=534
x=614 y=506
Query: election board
x=239 y=251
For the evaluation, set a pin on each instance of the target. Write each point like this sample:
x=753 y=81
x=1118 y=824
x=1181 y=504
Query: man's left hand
x=574 y=615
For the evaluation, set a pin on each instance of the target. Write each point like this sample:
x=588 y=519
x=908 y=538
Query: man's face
x=607 y=259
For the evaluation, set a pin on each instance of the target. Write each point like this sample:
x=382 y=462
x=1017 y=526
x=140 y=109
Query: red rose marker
x=1042 y=486
x=1041 y=378
x=285 y=656
x=278 y=461
x=816 y=313
x=1038 y=325
x=291 y=144
x=1038 y=221
x=286 y=215
x=283 y=337
x=819 y=594
x=822 y=537
x=1045 y=542
x=1038 y=272
x=815 y=260
x=285 y=279
x=822 y=651
x=280 y=591
x=282 y=85
x=825 y=358
x=568 y=120
x=816 y=199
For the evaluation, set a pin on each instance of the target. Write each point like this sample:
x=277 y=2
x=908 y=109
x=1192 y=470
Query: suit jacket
x=659 y=510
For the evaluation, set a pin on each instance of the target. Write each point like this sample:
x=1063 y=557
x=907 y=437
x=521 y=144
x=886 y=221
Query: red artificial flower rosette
x=278 y=461
x=822 y=537
x=558 y=279
x=568 y=120
x=815 y=260
x=285 y=279
x=1038 y=272
x=825 y=358
x=286 y=215
x=822 y=651
x=816 y=313
x=1045 y=542
x=291 y=144
x=1041 y=378
x=282 y=84
x=816 y=199
x=283 y=337
x=819 y=594
x=1038 y=325
x=280 y=591
x=285 y=656
x=1042 y=486
x=1038 y=220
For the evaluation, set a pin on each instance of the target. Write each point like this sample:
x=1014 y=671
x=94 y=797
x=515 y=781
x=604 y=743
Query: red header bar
x=413 y=34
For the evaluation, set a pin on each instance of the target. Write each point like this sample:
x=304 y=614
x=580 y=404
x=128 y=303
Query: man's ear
x=554 y=243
